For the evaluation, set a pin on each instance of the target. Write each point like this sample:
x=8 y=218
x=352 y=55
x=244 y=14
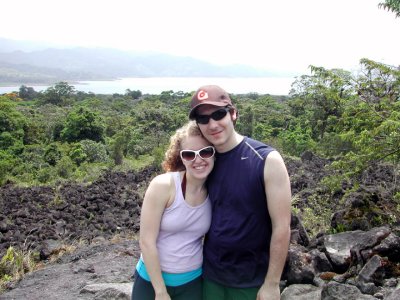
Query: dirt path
x=101 y=271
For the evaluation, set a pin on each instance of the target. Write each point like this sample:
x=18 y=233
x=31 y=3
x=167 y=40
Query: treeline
x=63 y=134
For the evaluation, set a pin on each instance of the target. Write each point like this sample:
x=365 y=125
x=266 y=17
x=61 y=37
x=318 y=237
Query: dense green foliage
x=391 y=5
x=66 y=134
x=356 y=120
x=62 y=134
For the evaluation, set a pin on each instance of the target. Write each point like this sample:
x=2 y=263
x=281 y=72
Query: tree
x=368 y=129
x=375 y=117
x=155 y=120
x=27 y=93
x=58 y=94
x=7 y=162
x=246 y=121
x=272 y=114
x=320 y=97
x=391 y=5
x=52 y=154
x=35 y=124
x=117 y=149
x=83 y=124
x=378 y=81
x=11 y=125
x=94 y=151
x=296 y=140
x=133 y=94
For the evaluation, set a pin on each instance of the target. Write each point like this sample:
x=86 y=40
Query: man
x=246 y=247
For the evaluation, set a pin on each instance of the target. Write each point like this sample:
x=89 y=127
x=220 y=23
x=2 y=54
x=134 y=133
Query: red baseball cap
x=209 y=94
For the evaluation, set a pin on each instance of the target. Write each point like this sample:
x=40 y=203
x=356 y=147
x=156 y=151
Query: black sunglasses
x=216 y=116
x=204 y=153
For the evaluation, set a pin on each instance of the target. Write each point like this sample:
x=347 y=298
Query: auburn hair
x=172 y=161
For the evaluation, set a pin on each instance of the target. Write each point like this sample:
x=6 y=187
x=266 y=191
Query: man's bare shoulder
x=274 y=157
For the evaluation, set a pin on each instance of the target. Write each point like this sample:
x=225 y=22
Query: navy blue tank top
x=237 y=245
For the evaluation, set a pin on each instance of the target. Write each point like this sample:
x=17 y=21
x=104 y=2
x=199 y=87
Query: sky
x=277 y=35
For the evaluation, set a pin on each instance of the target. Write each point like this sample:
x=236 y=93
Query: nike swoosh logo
x=244 y=157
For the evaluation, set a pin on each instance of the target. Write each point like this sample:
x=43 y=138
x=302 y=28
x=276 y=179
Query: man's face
x=219 y=132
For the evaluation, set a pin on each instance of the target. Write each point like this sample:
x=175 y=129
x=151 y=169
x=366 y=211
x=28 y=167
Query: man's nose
x=212 y=122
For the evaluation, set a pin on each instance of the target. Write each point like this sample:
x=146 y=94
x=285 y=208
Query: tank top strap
x=178 y=189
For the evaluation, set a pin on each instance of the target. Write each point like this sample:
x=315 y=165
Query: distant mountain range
x=34 y=63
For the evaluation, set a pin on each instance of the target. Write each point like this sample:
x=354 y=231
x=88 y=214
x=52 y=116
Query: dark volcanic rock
x=69 y=212
x=360 y=262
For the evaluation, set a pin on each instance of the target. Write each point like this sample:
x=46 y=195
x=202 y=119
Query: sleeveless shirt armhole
x=176 y=178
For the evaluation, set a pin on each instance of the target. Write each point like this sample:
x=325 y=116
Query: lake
x=156 y=85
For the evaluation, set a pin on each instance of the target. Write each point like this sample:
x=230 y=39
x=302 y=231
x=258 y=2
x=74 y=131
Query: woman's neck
x=193 y=185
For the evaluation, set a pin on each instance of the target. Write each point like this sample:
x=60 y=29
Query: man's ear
x=234 y=115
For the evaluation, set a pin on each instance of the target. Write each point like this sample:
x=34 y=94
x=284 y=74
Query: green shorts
x=213 y=290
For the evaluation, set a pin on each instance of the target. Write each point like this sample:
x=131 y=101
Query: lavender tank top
x=180 y=241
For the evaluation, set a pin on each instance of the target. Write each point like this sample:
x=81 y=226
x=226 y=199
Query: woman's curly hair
x=172 y=161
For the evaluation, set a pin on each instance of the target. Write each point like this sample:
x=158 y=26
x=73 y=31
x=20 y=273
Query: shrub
x=7 y=162
x=65 y=167
x=94 y=151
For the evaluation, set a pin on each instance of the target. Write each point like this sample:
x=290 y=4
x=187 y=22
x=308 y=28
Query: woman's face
x=199 y=167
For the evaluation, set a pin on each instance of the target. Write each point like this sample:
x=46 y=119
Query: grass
x=15 y=264
x=135 y=164
x=85 y=174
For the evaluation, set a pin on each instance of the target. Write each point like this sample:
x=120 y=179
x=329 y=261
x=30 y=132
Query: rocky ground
x=101 y=270
x=102 y=219
x=33 y=217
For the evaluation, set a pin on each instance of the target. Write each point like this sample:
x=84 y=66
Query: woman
x=175 y=215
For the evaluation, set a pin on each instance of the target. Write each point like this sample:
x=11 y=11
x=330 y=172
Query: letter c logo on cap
x=202 y=95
